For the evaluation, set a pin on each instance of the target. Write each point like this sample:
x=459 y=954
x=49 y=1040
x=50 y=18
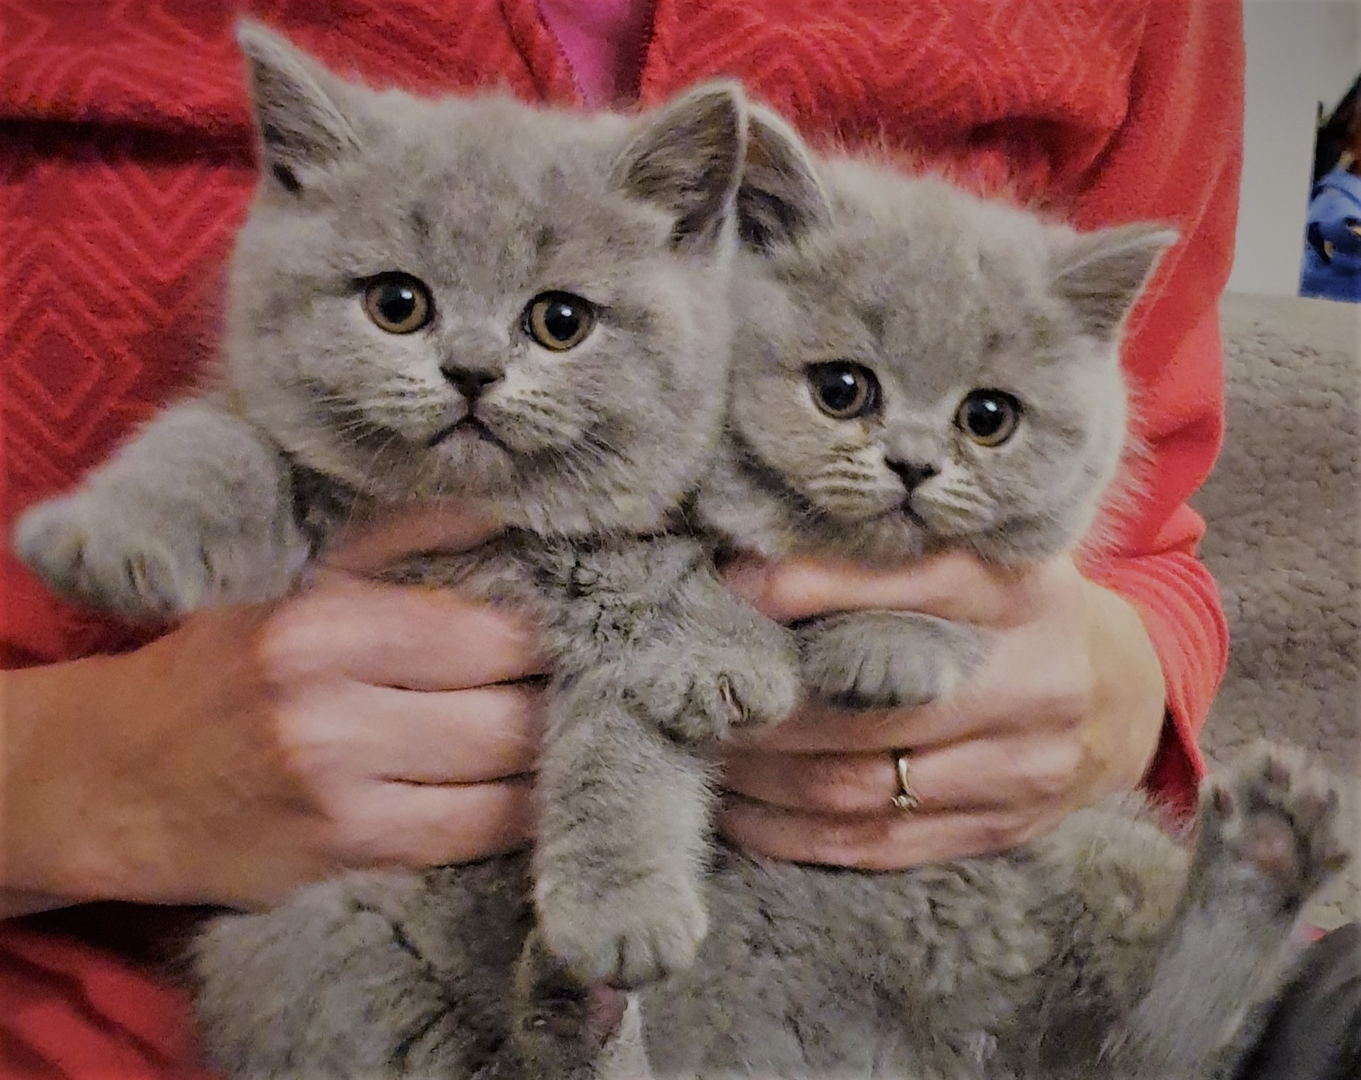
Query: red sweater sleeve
x=1176 y=158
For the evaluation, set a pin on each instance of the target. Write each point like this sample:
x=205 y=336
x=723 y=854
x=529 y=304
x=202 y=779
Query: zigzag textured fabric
x=126 y=164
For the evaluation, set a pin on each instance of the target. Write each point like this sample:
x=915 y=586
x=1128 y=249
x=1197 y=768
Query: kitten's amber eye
x=843 y=390
x=989 y=417
x=398 y=303
x=559 y=320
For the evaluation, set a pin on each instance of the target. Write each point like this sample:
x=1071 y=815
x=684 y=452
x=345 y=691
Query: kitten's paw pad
x=562 y=1025
x=636 y=934
x=886 y=659
x=1277 y=815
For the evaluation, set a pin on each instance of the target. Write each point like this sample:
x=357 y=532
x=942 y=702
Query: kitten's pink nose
x=912 y=473
x=470 y=381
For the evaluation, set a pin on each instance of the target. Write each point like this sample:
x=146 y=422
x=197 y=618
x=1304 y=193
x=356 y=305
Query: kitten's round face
x=471 y=306
x=909 y=378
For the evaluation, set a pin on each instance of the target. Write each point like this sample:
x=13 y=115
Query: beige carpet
x=1284 y=514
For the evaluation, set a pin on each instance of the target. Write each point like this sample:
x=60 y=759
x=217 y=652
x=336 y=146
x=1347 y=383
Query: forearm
x=16 y=902
x=1177 y=602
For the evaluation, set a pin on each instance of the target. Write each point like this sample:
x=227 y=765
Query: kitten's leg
x=887 y=659
x=720 y=667
x=196 y=509
x=624 y=818
x=1267 y=841
x=370 y=976
x=625 y=789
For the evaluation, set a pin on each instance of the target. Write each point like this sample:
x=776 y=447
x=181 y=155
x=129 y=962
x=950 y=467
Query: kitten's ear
x=1101 y=274
x=781 y=194
x=688 y=159
x=302 y=127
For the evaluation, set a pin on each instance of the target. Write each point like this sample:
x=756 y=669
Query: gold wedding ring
x=906 y=800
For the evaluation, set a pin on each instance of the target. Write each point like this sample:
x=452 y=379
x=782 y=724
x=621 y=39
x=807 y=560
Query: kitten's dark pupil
x=840 y=387
x=562 y=320
x=985 y=415
x=397 y=302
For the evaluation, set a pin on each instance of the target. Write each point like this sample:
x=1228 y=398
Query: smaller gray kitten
x=521 y=308
x=919 y=370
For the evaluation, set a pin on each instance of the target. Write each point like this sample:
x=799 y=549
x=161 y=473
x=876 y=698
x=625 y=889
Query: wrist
x=68 y=832
x=17 y=902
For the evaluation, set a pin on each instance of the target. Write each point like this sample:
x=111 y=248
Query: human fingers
x=419 y=825
x=974 y=776
x=452 y=737
x=372 y=546
x=883 y=841
x=951 y=586
x=391 y=635
x=1030 y=680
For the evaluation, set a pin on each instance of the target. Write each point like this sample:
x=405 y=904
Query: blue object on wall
x=1332 y=250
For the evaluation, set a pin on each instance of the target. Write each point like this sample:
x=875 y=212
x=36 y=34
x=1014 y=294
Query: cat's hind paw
x=565 y=1031
x=554 y=1002
x=1273 y=820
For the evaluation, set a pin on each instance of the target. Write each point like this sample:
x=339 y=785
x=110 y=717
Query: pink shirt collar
x=605 y=42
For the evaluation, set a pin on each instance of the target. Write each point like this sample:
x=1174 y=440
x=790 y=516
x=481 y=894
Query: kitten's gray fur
x=585 y=455
x=1107 y=949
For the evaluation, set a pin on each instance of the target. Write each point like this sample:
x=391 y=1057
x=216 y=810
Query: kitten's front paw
x=702 y=693
x=887 y=659
x=734 y=698
x=1271 y=822
x=145 y=564
x=89 y=551
x=630 y=935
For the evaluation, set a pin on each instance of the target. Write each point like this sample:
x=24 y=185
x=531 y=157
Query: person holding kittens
x=1106 y=669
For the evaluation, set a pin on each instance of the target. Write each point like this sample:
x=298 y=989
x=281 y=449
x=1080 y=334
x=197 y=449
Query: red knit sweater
x=125 y=167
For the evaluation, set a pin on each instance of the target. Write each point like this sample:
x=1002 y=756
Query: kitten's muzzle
x=913 y=475
x=467 y=424
x=471 y=381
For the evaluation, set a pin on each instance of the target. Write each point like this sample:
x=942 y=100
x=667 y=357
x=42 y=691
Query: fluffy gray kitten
x=915 y=370
x=920 y=370
x=522 y=308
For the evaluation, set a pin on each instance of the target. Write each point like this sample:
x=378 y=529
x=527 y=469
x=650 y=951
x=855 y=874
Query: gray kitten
x=875 y=309
x=522 y=308
x=919 y=370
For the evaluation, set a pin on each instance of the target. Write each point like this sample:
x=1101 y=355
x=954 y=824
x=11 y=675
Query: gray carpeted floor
x=1284 y=515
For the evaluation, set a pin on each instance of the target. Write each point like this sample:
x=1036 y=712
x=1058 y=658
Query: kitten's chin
x=465 y=436
x=472 y=462
x=892 y=538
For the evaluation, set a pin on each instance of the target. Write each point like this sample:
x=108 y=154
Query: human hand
x=1067 y=705
x=253 y=749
